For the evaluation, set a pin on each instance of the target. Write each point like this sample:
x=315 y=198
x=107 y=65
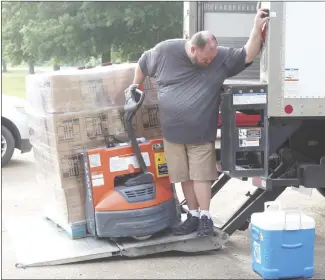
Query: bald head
x=203 y=38
x=202 y=48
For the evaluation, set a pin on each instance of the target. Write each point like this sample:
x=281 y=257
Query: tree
x=44 y=31
x=129 y=27
x=132 y=27
x=100 y=21
x=56 y=33
x=15 y=15
x=63 y=32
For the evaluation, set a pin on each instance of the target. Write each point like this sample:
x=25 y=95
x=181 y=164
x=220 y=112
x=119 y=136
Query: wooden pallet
x=74 y=231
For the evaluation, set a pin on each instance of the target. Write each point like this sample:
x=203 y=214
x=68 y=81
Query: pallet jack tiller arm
x=133 y=102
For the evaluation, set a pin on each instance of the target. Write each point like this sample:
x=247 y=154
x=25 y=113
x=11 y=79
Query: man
x=189 y=74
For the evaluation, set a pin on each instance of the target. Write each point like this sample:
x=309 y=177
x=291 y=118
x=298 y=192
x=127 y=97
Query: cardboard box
x=63 y=196
x=65 y=206
x=61 y=177
x=62 y=169
x=67 y=131
x=79 y=90
x=148 y=117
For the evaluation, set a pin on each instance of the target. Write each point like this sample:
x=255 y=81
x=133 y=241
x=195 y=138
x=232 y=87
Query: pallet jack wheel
x=141 y=238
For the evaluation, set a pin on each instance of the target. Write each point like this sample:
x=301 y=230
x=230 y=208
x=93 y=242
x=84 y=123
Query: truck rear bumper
x=309 y=176
x=312 y=175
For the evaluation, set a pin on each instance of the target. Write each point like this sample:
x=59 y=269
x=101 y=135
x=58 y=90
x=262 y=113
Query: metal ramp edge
x=38 y=242
x=167 y=243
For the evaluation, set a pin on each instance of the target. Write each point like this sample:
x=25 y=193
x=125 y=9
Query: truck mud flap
x=38 y=242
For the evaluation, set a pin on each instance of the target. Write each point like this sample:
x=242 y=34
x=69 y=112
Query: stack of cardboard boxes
x=72 y=111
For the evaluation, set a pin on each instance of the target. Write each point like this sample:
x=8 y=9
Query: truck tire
x=321 y=191
x=7 y=145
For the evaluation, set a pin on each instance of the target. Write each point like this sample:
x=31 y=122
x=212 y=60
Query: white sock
x=195 y=213
x=206 y=213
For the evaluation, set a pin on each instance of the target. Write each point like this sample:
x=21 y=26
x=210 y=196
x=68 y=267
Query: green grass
x=13 y=83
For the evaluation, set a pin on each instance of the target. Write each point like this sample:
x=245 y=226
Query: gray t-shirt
x=189 y=95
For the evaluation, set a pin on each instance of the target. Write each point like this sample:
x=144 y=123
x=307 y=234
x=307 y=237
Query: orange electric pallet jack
x=128 y=189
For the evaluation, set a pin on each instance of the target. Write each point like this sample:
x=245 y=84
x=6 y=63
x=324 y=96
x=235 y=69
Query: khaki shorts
x=191 y=162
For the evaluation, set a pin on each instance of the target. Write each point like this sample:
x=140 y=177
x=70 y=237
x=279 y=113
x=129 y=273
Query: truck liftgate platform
x=43 y=244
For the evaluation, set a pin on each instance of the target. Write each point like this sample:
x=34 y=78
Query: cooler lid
x=275 y=219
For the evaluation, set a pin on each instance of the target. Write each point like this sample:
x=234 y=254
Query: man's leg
x=190 y=196
x=202 y=169
x=178 y=171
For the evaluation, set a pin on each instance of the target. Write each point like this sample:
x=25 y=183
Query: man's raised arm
x=253 y=44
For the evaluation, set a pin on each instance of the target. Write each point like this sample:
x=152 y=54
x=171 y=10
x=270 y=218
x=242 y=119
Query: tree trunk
x=56 y=67
x=31 y=68
x=4 y=66
x=106 y=57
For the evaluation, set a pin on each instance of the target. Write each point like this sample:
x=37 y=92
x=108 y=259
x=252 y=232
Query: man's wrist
x=256 y=32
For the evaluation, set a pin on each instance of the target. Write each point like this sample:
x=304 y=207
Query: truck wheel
x=7 y=145
x=322 y=192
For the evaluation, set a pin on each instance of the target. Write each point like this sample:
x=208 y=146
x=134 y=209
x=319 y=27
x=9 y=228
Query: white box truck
x=285 y=88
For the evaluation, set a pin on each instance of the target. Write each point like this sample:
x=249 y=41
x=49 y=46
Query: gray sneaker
x=206 y=227
x=188 y=226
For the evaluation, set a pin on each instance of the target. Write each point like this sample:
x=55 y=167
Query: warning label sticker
x=249 y=143
x=94 y=160
x=291 y=74
x=249 y=98
x=97 y=179
x=291 y=82
x=122 y=163
x=249 y=133
x=161 y=165
x=249 y=137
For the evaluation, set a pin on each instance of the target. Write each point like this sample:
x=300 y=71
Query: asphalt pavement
x=22 y=196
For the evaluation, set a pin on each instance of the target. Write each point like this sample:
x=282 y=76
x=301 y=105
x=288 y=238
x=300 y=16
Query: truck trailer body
x=287 y=147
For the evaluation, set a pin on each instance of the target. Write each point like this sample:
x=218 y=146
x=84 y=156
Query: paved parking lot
x=22 y=196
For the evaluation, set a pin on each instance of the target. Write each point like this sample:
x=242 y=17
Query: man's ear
x=193 y=49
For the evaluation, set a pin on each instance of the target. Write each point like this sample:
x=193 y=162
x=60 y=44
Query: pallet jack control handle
x=134 y=100
x=132 y=105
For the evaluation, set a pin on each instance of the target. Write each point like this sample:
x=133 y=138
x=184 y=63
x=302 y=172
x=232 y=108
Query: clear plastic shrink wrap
x=72 y=111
